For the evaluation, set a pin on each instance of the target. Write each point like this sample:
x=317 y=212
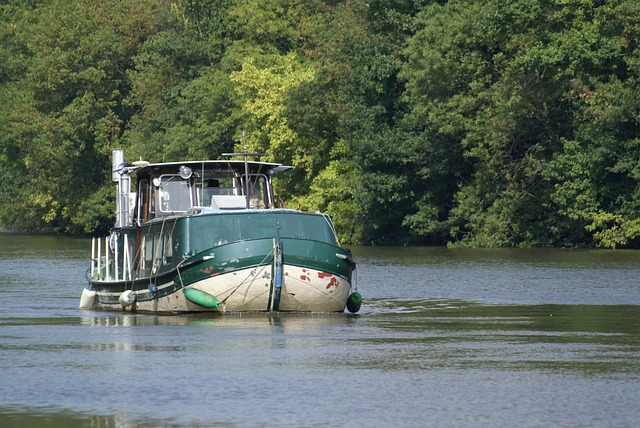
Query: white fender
x=127 y=298
x=87 y=299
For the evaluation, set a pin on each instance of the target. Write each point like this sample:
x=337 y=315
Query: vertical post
x=99 y=256
x=93 y=256
x=116 y=261
x=246 y=171
x=106 y=256
x=120 y=222
x=126 y=260
x=277 y=276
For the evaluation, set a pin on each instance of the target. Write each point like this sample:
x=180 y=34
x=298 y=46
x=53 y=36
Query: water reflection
x=445 y=337
x=458 y=348
x=291 y=321
x=38 y=417
x=247 y=330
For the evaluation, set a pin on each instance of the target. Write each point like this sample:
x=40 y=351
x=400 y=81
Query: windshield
x=222 y=229
x=175 y=195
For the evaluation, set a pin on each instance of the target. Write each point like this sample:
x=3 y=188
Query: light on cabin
x=185 y=172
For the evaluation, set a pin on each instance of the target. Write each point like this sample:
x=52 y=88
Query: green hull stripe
x=231 y=258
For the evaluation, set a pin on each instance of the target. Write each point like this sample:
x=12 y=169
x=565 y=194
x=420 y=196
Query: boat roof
x=143 y=167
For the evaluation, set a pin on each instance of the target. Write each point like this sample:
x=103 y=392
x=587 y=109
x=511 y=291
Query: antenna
x=246 y=169
x=245 y=155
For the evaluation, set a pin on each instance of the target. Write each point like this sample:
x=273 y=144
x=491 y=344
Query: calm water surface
x=457 y=338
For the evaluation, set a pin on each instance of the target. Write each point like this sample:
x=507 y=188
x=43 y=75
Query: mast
x=246 y=170
x=245 y=155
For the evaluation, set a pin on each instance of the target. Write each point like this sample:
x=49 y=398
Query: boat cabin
x=169 y=189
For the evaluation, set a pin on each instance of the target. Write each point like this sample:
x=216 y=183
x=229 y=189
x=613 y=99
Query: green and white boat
x=205 y=236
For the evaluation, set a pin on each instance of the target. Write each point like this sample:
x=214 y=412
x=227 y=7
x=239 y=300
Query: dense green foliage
x=468 y=122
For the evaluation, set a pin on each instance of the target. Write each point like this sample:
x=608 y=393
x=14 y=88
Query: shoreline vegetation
x=481 y=123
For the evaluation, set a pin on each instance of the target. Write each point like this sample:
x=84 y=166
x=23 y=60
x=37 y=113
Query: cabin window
x=175 y=194
x=144 y=203
x=147 y=254
x=168 y=248
x=210 y=187
x=157 y=257
x=259 y=192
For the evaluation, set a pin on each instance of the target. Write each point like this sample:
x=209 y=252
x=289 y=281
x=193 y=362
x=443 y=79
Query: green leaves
x=66 y=105
x=264 y=94
x=500 y=84
x=473 y=123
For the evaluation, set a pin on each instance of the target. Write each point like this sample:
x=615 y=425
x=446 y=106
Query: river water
x=446 y=337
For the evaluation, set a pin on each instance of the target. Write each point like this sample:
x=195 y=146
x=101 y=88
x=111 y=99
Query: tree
x=67 y=108
x=597 y=170
x=497 y=84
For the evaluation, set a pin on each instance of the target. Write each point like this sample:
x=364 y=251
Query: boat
x=209 y=236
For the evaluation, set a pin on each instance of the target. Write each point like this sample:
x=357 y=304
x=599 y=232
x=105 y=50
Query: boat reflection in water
x=291 y=321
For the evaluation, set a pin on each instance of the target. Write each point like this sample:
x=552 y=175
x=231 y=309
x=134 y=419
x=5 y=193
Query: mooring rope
x=152 y=278
x=261 y=264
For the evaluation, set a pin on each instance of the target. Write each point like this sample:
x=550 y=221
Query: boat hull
x=252 y=276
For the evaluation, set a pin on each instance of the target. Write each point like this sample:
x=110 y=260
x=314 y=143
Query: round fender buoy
x=127 y=298
x=354 y=302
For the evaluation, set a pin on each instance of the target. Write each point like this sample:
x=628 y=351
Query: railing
x=110 y=267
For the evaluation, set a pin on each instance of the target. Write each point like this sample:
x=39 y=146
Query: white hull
x=303 y=290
